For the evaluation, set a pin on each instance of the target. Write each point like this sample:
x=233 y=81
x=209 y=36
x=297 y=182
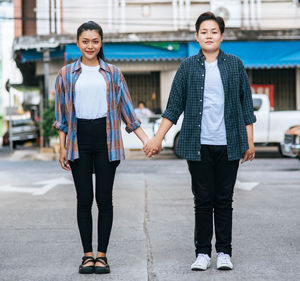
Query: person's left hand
x=250 y=153
x=152 y=147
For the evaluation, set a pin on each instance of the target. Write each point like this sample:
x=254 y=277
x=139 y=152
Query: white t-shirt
x=144 y=112
x=90 y=93
x=213 y=130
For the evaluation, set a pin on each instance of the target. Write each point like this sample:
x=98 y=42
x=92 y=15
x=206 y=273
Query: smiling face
x=89 y=43
x=209 y=36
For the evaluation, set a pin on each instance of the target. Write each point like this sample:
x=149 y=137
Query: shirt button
x=201 y=88
x=199 y=125
x=200 y=100
x=200 y=113
x=202 y=74
x=202 y=63
x=198 y=152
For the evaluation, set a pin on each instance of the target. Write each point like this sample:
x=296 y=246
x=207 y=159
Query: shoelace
x=223 y=258
x=201 y=258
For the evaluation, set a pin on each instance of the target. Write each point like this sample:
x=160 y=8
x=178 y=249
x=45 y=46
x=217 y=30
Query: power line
x=66 y=19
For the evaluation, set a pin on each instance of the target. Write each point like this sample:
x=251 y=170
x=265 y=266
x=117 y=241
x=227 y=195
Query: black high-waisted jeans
x=93 y=155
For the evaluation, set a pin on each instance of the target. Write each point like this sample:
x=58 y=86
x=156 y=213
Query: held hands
x=152 y=146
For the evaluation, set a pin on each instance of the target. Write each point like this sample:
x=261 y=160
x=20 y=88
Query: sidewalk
x=35 y=154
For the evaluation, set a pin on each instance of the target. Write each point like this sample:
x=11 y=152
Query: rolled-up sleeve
x=177 y=98
x=60 y=115
x=127 y=110
x=246 y=97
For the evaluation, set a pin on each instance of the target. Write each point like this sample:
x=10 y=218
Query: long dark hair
x=91 y=25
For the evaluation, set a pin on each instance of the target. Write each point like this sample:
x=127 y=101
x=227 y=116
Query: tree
x=48 y=120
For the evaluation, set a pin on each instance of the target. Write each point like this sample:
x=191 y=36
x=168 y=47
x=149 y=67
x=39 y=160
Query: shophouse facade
x=148 y=40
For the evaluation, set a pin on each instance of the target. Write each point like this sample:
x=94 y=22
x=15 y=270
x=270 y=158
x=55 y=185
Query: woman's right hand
x=62 y=159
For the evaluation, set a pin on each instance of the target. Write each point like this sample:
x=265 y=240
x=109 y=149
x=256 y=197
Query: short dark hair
x=91 y=25
x=210 y=16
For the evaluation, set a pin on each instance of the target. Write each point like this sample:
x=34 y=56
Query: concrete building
x=8 y=68
x=148 y=40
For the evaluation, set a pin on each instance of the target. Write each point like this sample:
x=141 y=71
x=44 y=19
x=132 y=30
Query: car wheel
x=280 y=152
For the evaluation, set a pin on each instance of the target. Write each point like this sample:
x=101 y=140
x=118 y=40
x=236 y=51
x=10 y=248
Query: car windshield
x=23 y=122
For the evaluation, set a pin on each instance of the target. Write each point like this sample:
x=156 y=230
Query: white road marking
x=245 y=185
x=47 y=185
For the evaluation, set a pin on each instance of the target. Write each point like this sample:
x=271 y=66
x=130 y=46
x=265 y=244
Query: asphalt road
x=152 y=237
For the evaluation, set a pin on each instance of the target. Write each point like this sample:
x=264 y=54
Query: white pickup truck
x=269 y=128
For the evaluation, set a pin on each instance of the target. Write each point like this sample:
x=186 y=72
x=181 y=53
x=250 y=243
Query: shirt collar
x=102 y=63
x=221 y=55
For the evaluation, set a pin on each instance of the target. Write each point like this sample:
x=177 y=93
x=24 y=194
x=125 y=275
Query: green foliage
x=48 y=120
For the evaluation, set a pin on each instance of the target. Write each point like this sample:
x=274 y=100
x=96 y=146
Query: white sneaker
x=224 y=262
x=202 y=262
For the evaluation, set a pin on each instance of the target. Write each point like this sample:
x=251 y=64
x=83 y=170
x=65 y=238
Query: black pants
x=93 y=154
x=213 y=180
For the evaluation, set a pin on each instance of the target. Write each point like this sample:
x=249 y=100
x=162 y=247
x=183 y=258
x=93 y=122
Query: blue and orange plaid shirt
x=119 y=106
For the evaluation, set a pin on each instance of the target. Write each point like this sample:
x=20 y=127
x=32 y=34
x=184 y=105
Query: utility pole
x=10 y=133
x=45 y=93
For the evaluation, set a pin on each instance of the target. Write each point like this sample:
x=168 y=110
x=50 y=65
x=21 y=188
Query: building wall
x=231 y=11
x=8 y=68
x=258 y=14
x=18 y=18
x=164 y=15
x=49 y=17
x=280 y=15
x=143 y=15
x=25 y=19
x=284 y=81
x=28 y=13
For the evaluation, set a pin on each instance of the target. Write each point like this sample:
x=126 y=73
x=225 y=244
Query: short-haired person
x=212 y=89
x=91 y=99
x=142 y=111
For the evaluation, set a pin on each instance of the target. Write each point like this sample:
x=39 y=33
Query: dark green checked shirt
x=187 y=96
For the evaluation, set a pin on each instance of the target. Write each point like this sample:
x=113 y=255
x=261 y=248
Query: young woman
x=212 y=89
x=91 y=99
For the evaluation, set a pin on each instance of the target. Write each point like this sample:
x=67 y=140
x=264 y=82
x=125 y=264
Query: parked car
x=131 y=141
x=268 y=129
x=23 y=130
x=291 y=144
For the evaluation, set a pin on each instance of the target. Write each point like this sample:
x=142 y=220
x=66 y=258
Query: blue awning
x=34 y=55
x=260 y=54
x=135 y=52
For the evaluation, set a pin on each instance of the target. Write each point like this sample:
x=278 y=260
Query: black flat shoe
x=87 y=269
x=102 y=269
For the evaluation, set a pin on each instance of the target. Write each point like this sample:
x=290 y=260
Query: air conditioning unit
x=231 y=11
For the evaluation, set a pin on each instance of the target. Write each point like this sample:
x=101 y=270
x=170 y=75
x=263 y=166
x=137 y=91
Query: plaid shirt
x=119 y=105
x=187 y=95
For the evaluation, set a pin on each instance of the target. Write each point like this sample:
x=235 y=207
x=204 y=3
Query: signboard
x=264 y=89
